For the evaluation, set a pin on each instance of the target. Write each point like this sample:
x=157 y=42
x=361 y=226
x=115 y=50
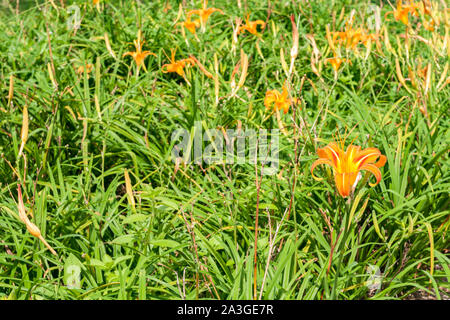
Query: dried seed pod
x=129 y=189
x=24 y=135
x=31 y=227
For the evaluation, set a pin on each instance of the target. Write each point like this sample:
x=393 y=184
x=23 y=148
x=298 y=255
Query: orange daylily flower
x=190 y=25
x=204 y=13
x=421 y=73
x=352 y=37
x=415 y=7
x=177 y=66
x=280 y=101
x=402 y=11
x=139 y=55
x=336 y=62
x=346 y=165
x=430 y=22
x=429 y=25
x=88 y=68
x=94 y=2
x=250 y=26
x=167 y=7
x=365 y=38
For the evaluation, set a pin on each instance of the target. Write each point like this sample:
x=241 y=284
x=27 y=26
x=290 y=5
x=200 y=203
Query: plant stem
x=341 y=249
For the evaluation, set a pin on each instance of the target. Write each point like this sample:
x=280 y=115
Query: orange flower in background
x=250 y=26
x=347 y=165
x=430 y=16
x=352 y=37
x=365 y=38
x=429 y=25
x=402 y=11
x=336 y=62
x=190 y=25
x=419 y=76
x=204 y=13
x=414 y=8
x=94 y=2
x=177 y=66
x=138 y=55
x=88 y=68
x=280 y=101
x=422 y=72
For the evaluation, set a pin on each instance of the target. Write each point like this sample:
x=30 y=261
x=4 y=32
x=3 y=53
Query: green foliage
x=191 y=231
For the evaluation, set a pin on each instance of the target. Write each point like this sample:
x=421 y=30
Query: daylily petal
x=251 y=26
x=286 y=107
x=366 y=156
x=344 y=182
x=271 y=97
x=403 y=17
x=173 y=67
x=381 y=162
x=350 y=155
x=204 y=13
x=316 y=163
x=147 y=53
x=280 y=101
x=333 y=153
x=177 y=66
x=375 y=171
x=190 y=25
x=284 y=94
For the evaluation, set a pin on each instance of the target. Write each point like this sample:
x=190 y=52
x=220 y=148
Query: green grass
x=191 y=234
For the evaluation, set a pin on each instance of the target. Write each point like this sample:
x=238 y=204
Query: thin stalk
x=341 y=249
x=255 y=264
